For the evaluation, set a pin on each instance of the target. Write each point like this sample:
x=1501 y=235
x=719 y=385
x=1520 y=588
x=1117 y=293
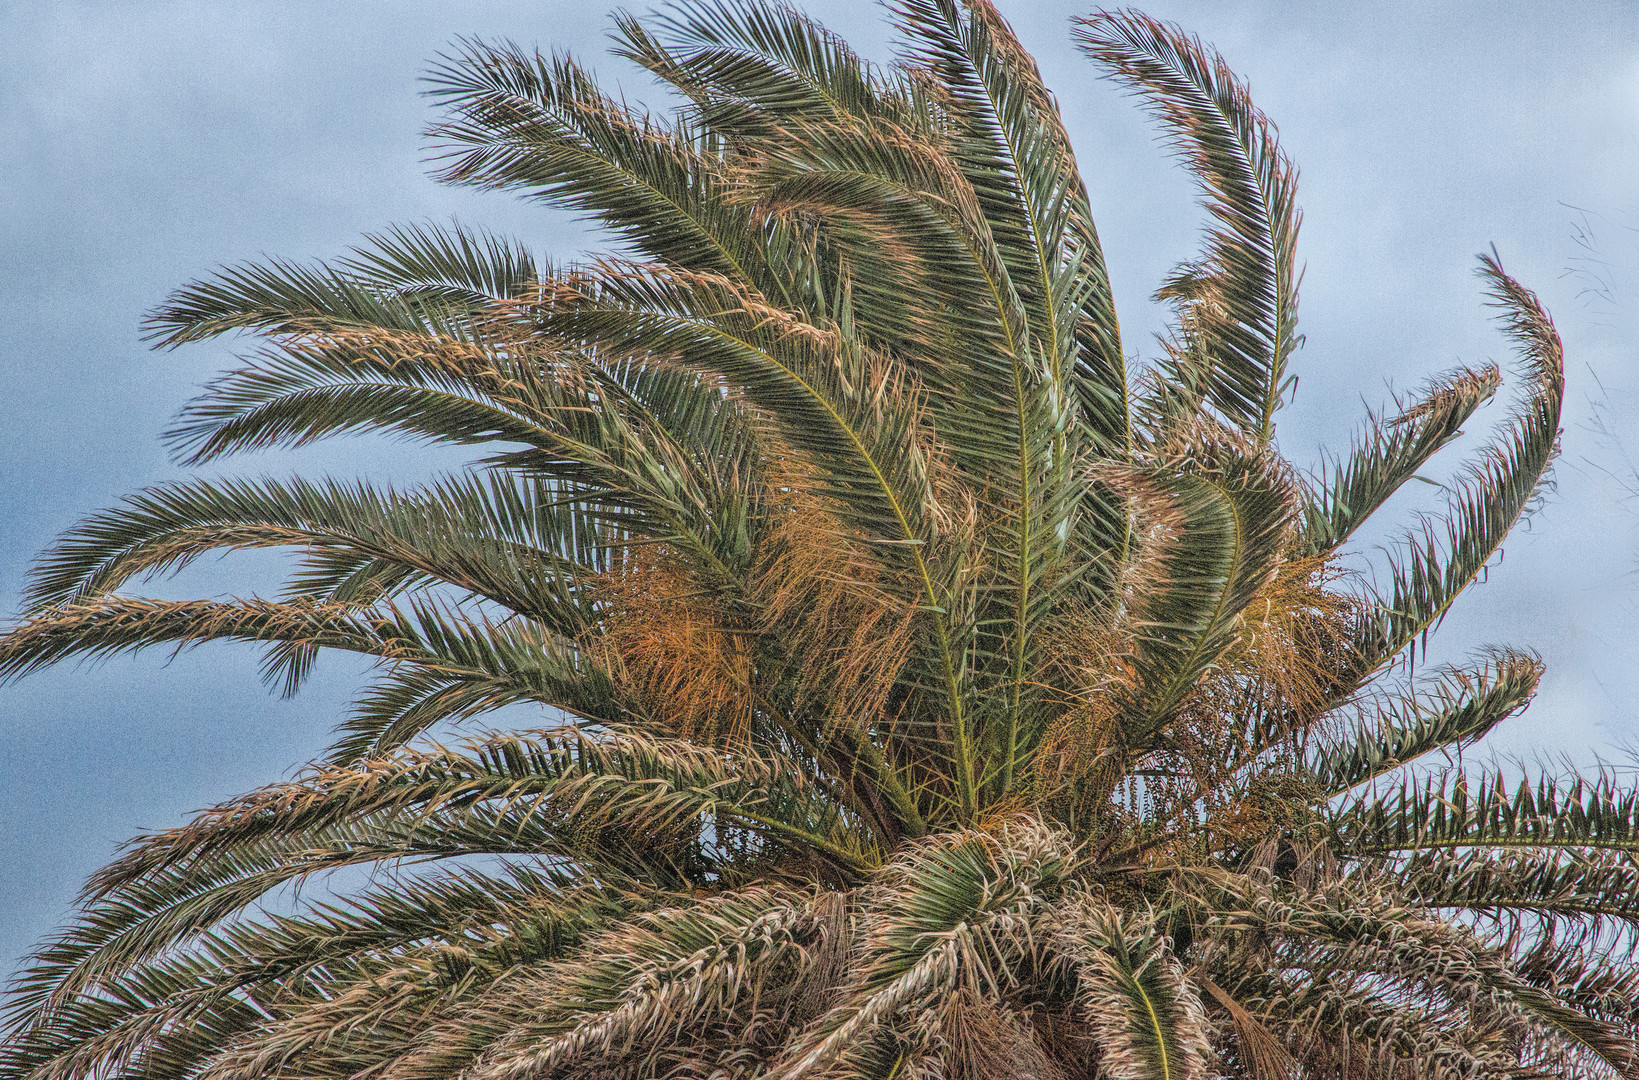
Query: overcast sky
x=142 y=144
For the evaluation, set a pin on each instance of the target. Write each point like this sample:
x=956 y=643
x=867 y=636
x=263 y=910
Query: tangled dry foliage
x=925 y=694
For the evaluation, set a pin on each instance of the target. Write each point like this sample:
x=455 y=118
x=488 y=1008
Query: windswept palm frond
x=1240 y=298
x=521 y=121
x=1437 y=563
x=1450 y=810
x=923 y=695
x=1459 y=709
x=1389 y=454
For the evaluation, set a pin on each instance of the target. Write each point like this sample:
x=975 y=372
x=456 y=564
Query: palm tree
x=925 y=695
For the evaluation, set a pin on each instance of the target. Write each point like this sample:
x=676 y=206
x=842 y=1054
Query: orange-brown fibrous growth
x=1091 y=675
x=1270 y=685
x=667 y=639
x=822 y=597
x=1231 y=746
x=1295 y=646
x=809 y=635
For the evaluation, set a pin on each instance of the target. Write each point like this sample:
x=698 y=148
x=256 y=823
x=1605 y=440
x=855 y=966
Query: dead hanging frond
x=1254 y=1046
x=1296 y=642
x=821 y=596
x=675 y=646
x=1081 y=756
x=981 y=1040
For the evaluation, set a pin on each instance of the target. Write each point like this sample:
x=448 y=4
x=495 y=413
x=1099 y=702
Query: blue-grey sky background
x=144 y=143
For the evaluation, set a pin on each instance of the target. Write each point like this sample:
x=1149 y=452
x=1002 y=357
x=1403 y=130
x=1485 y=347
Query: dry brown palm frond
x=1255 y=1045
x=670 y=639
x=495 y=351
x=1293 y=649
x=1081 y=760
x=1089 y=675
x=1296 y=643
x=105 y=625
x=982 y=1040
x=820 y=594
x=1227 y=760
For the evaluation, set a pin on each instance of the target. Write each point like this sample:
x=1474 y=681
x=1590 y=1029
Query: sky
x=144 y=143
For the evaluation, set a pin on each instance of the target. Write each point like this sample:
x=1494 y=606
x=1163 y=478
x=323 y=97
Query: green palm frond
x=1241 y=296
x=1459 y=709
x=749 y=67
x=522 y=121
x=398 y=280
x=1212 y=530
x=1450 y=811
x=933 y=701
x=1389 y=454
x=1015 y=155
x=1013 y=149
x=648 y=788
x=526 y=562
x=105 y=626
x=426 y=634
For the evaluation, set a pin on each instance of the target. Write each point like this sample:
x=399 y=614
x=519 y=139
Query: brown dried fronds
x=669 y=639
x=1081 y=759
x=1269 y=807
x=1253 y=1046
x=483 y=338
x=1087 y=677
x=981 y=1040
x=822 y=596
x=1065 y=1038
x=1296 y=641
x=1087 y=655
x=1294 y=648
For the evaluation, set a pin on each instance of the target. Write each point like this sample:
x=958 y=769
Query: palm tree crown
x=927 y=693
